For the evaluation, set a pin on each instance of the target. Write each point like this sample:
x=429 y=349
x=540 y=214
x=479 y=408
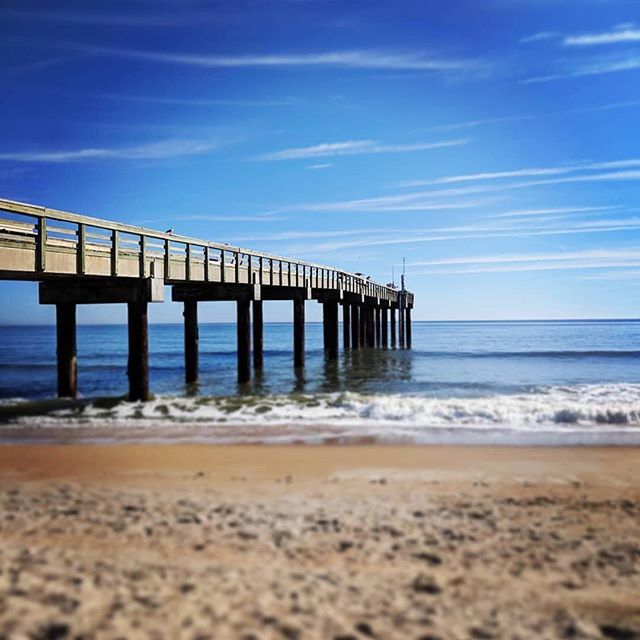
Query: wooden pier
x=83 y=260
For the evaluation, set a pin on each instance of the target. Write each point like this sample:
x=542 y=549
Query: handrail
x=331 y=274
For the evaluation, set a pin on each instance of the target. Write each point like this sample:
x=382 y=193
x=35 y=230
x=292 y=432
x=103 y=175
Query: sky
x=494 y=145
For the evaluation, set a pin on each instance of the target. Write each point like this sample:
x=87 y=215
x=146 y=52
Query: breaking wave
x=586 y=409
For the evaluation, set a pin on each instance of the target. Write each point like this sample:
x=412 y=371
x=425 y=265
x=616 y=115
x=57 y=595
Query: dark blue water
x=523 y=376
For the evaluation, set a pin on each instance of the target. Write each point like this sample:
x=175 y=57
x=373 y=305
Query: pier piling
x=346 y=325
x=330 y=319
x=258 y=333
x=244 y=340
x=355 y=327
x=408 y=328
x=298 y=333
x=66 y=350
x=190 y=314
x=393 y=327
x=385 y=328
x=138 y=368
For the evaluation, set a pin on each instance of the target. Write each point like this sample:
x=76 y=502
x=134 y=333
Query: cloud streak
x=162 y=150
x=353 y=148
x=357 y=59
x=617 y=36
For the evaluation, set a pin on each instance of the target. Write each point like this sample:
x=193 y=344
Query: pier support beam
x=138 y=368
x=393 y=327
x=244 y=340
x=355 y=327
x=408 y=328
x=330 y=320
x=401 y=319
x=298 y=333
x=385 y=328
x=346 y=325
x=378 y=317
x=190 y=314
x=66 y=350
x=371 y=328
x=258 y=339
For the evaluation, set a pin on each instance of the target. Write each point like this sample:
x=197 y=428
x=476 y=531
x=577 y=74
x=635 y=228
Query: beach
x=184 y=541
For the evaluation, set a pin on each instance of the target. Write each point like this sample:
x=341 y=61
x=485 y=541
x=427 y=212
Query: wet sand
x=172 y=541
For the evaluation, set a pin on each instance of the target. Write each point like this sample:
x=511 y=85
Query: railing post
x=41 y=246
x=81 y=265
x=142 y=270
x=223 y=270
x=167 y=259
x=114 y=253
x=207 y=258
x=187 y=262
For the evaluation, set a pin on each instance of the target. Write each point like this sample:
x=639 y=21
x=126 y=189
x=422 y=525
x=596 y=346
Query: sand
x=170 y=541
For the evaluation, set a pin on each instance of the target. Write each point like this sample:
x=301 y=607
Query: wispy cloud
x=602 y=67
x=525 y=172
x=352 y=148
x=469 y=233
x=616 y=36
x=582 y=260
x=470 y=124
x=164 y=149
x=540 y=36
x=198 y=102
x=527 y=213
x=365 y=59
x=315 y=167
x=115 y=19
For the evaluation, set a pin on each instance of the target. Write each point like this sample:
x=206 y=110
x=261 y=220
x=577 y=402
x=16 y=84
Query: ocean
x=547 y=382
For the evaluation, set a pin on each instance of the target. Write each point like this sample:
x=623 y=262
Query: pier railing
x=38 y=243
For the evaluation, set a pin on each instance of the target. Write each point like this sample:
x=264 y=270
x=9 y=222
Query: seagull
x=169 y=231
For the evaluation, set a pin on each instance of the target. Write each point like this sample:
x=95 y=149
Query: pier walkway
x=82 y=260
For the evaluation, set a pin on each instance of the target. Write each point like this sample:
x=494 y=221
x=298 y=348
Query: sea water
x=552 y=382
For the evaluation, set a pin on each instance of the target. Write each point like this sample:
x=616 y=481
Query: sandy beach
x=171 y=541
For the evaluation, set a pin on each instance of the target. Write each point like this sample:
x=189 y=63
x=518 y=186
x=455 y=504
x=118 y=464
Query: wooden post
x=408 y=329
x=355 y=327
x=346 y=325
x=190 y=314
x=393 y=328
x=401 y=318
x=66 y=350
x=378 y=316
x=371 y=329
x=298 y=333
x=258 y=341
x=244 y=341
x=363 y=326
x=331 y=329
x=385 y=327
x=138 y=369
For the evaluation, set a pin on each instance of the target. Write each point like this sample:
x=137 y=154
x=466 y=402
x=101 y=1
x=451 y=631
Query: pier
x=78 y=259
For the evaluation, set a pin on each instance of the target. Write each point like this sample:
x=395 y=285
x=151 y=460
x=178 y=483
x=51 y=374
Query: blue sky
x=493 y=144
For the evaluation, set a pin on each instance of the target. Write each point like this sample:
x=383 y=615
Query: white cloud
x=526 y=213
x=365 y=59
x=599 y=254
x=540 y=36
x=617 y=36
x=630 y=63
x=152 y=151
x=352 y=148
x=313 y=167
x=526 y=172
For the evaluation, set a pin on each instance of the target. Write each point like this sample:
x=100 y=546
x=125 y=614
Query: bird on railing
x=169 y=232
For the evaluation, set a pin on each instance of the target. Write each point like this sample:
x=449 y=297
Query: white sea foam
x=580 y=409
